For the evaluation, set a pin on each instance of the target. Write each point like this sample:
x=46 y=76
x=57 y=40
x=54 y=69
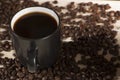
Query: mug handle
x=31 y=61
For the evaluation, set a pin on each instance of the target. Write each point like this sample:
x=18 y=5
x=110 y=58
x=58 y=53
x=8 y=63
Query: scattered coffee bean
x=55 y=2
x=7 y=46
x=20 y=74
x=1 y=49
x=88 y=38
x=1 y=54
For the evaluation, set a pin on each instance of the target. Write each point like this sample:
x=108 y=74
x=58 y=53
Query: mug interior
x=31 y=10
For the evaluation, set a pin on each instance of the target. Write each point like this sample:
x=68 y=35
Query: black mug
x=36 y=53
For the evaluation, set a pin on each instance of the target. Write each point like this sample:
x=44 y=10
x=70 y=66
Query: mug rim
x=56 y=30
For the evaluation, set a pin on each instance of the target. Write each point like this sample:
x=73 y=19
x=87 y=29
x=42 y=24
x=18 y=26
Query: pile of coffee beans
x=90 y=27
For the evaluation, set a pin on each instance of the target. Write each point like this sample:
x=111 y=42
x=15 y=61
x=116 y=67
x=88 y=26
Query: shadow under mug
x=36 y=53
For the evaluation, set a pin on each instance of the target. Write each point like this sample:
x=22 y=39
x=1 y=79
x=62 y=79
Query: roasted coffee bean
x=117 y=65
x=1 y=54
x=2 y=37
x=55 y=2
x=113 y=59
x=88 y=37
x=6 y=46
x=107 y=6
x=71 y=6
x=117 y=14
x=20 y=74
x=1 y=49
x=118 y=57
x=30 y=76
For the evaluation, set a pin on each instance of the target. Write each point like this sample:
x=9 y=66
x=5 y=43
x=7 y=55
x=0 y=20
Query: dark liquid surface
x=35 y=25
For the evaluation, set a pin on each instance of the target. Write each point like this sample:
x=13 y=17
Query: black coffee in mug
x=35 y=33
x=35 y=25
